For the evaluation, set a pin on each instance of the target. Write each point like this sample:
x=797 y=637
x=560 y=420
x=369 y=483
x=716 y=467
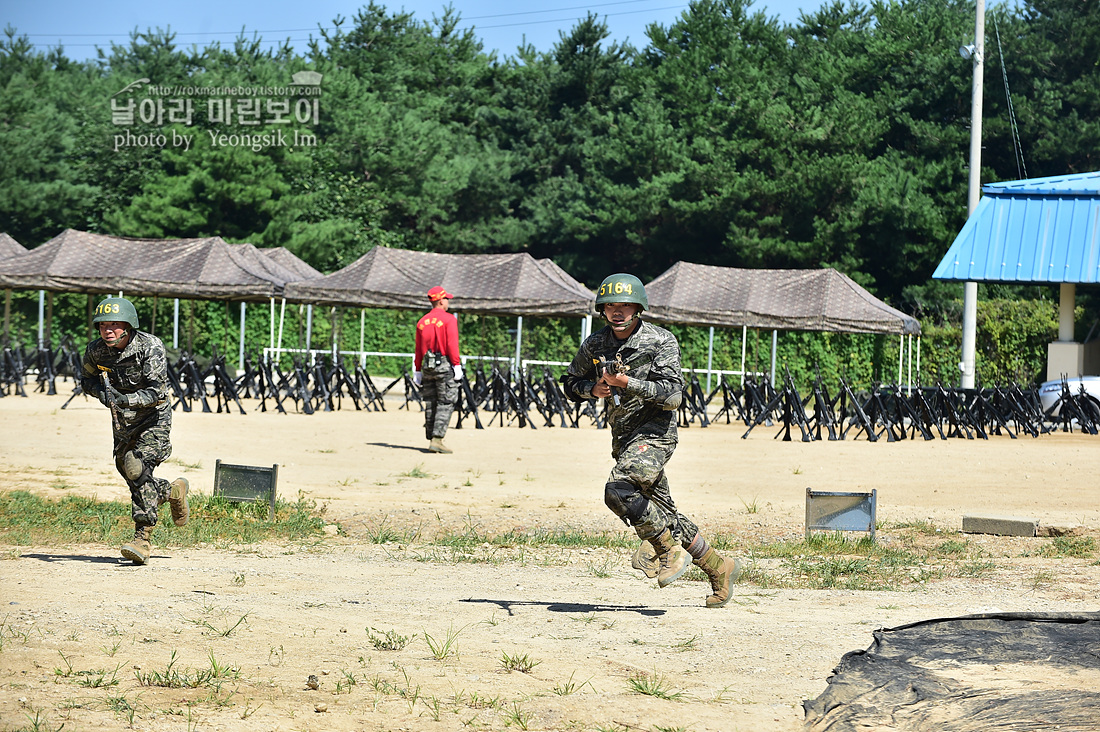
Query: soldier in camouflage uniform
x=438 y=367
x=636 y=365
x=127 y=370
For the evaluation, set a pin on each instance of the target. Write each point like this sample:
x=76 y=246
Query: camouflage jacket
x=139 y=371
x=649 y=402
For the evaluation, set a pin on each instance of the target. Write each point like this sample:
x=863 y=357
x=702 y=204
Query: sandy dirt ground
x=80 y=626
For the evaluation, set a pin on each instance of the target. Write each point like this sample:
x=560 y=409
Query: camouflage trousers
x=438 y=391
x=137 y=453
x=640 y=461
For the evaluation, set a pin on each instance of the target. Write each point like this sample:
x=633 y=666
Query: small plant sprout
x=523 y=663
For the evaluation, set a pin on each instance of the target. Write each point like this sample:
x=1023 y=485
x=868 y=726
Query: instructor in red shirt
x=438 y=367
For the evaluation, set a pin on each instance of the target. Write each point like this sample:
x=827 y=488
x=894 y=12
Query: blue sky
x=501 y=25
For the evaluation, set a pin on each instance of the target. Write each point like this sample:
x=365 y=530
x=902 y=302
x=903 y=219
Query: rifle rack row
x=534 y=399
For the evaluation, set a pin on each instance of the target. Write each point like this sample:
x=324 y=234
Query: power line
x=302 y=40
x=330 y=28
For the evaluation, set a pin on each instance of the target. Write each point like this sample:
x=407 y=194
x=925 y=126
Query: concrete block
x=999 y=525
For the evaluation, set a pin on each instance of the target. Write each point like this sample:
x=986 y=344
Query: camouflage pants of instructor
x=640 y=461
x=438 y=390
x=137 y=453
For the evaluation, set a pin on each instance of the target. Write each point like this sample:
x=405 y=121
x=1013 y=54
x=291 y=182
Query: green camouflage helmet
x=621 y=288
x=118 y=310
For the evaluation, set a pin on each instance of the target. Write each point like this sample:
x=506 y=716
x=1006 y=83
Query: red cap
x=438 y=293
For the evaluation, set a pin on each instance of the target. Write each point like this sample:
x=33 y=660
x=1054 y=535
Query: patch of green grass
x=604 y=569
x=1069 y=546
x=654 y=685
x=29 y=519
x=920 y=526
x=523 y=663
x=566 y=688
x=953 y=547
x=442 y=648
x=389 y=640
x=417 y=471
x=174 y=678
x=383 y=533
x=688 y=644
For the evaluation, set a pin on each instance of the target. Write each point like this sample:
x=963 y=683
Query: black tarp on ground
x=1004 y=671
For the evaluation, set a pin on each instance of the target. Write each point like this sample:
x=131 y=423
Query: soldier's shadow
x=87 y=558
x=397 y=447
x=570 y=607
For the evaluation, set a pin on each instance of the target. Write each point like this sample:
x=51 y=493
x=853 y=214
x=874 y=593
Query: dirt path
x=75 y=618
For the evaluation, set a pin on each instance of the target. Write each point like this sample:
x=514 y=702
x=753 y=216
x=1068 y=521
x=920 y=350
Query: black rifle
x=616 y=366
x=110 y=399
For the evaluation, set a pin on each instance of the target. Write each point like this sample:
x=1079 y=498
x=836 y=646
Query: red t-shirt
x=437 y=332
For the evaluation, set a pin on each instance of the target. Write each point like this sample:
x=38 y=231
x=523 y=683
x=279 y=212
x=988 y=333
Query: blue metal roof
x=1036 y=230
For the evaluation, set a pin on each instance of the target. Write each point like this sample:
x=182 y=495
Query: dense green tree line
x=728 y=139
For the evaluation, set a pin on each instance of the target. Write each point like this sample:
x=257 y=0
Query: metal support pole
x=282 y=318
x=1067 y=293
x=41 y=314
x=271 y=324
x=744 y=346
x=918 y=358
x=909 y=379
x=309 y=327
x=710 y=355
x=901 y=357
x=775 y=345
x=519 y=342
x=176 y=324
x=335 y=320
x=968 y=365
x=240 y=351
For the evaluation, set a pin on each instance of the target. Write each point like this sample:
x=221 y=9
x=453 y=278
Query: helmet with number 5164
x=116 y=310
x=621 y=288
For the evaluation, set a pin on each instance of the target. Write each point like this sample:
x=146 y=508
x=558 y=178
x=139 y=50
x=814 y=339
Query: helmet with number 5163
x=116 y=310
x=621 y=288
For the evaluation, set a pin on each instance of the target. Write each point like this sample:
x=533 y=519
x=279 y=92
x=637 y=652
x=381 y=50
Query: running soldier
x=636 y=365
x=438 y=367
x=127 y=370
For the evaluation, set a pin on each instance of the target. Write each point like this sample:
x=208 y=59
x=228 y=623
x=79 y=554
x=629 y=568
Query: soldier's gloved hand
x=102 y=397
x=120 y=399
x=418 y=376
x=458 y=371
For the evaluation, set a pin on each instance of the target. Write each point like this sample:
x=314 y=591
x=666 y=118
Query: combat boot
x=645 y=559
x=722 y=573
x=139 y=549
x=438 y=446
x=177 y=500
x=672 y=560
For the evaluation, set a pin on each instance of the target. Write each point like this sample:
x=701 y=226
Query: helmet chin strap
x=115 y=341
x=625 y=325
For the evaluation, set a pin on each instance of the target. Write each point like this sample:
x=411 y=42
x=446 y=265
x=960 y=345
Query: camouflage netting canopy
x=492 y=284
x=772 y=299
x=290 y=261
x=10 y=247
x=1005 y=671
x=207 y=268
